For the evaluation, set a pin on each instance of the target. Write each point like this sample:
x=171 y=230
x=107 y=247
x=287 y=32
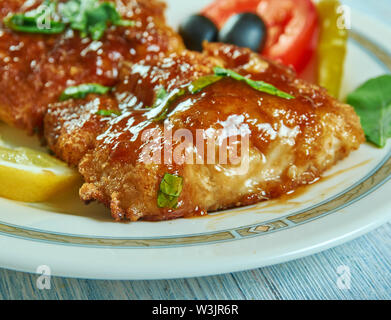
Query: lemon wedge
x=32 y=176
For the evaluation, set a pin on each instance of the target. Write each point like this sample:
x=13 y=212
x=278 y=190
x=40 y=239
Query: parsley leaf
x=81 y=91
x=22 y=23
x=165 y=102
x=41 y=20
x=257 y=85
x=166 y=201
x=91 y=17
x=372 y=102
x=203 y=82
x=171 y=185
x=170 y=190
x=160 y=96
x=108 y=113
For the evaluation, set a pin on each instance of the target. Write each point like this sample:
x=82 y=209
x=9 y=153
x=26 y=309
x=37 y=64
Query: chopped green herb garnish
x=257 y=85
x=161 y=94
x=196 y=86
x=372 y=102
x=203 y=82
x=170 y=190
x=167 y=101
x=108 y=113
x=90 y=17
x=23 y=23
x=81 y=91
x=165 y=201
x=43 y=20
x=171 y=185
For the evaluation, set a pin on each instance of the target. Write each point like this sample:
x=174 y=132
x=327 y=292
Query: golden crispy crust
x=292 y=142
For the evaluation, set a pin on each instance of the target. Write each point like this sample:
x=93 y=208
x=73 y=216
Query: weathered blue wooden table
x=315 y=277
x=368 y=259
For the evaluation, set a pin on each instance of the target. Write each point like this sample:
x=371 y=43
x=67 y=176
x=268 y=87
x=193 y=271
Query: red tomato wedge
x=292 y=34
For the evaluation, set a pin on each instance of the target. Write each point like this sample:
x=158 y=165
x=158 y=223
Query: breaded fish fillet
x=290 y=142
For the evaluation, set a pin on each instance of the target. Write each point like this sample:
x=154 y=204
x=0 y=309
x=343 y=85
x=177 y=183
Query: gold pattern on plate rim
x=354 y=194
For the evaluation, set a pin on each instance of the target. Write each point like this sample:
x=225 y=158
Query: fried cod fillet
x=290 y=142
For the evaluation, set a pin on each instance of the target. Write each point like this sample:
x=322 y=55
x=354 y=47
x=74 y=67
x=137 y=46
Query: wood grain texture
x=315 y=277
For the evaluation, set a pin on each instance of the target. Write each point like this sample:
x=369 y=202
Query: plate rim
x=221 y=236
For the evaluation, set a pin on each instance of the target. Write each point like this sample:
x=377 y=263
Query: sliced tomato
x=292 y=26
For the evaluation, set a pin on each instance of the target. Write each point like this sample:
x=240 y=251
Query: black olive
x=197 y=28
x=244 y=30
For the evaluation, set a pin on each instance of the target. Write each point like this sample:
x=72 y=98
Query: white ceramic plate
x=78 y=241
